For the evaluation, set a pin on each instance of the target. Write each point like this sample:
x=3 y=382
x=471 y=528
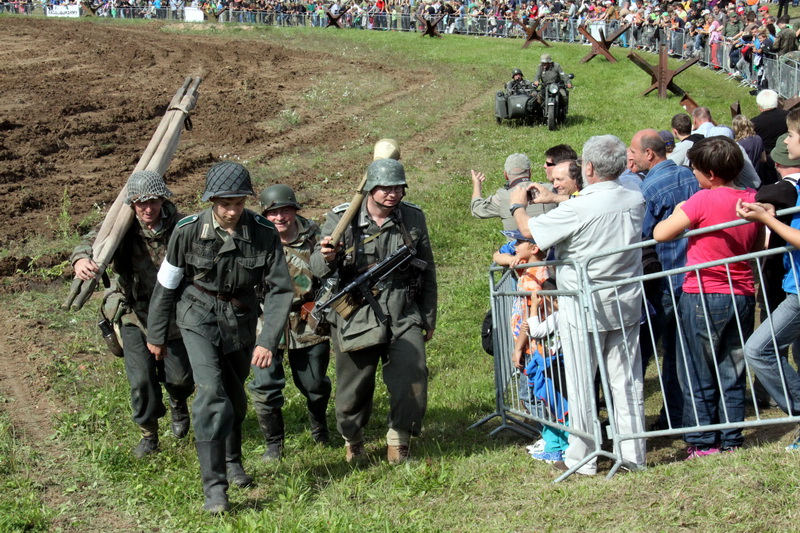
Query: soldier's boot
x=233 y=459
x=397 y=454
x=319 y=425
x=272 y=427
x=397 y=446
x=211 y=454
x=149 y=442
x=180 y=417
x=355 y=453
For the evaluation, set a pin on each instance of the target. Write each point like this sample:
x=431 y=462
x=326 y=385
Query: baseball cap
x=667 y=137
x=517 y=166
x=516 y=235
x=780 y=154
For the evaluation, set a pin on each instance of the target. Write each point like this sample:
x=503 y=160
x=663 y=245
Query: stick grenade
x=384 y=149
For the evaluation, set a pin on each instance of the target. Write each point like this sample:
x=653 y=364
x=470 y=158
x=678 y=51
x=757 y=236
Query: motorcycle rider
x=550 y=72
x=518 y=84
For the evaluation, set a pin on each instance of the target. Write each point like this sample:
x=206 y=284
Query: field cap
x=516 y=235
x=517 y=166
x=780 y=154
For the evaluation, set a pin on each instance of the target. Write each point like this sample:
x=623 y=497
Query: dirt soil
x=80 y=103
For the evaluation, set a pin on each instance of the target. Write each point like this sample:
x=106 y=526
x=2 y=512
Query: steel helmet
x=227 y=180
x=385 y=172
x=145 y=185
x=546 y=58
x=516 y=71
x=276 y=196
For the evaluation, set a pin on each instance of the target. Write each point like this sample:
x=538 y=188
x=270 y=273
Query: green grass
x=461 y=480
x=22 y=506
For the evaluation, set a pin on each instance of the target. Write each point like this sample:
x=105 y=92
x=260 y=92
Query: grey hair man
x=605 y=216
x=769 y=124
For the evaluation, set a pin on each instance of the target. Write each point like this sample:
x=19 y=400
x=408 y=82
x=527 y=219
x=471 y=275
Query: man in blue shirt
x=664 y=187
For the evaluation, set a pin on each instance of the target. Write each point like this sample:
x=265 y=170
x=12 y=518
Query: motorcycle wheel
x=551 y=118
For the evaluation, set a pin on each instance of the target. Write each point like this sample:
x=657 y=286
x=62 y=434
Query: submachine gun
x=363 y=284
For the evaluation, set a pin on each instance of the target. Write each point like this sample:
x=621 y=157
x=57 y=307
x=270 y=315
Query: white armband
x=169 y=276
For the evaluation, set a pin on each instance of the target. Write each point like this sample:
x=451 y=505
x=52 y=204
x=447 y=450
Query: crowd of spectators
x=693 y=174
x=735 y=35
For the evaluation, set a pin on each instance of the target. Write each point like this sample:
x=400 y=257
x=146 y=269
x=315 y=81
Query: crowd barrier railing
x=712 y=387
x=521 y=408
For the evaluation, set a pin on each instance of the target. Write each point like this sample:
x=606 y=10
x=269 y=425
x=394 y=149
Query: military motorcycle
x=556 y=104
x=524 y=107
x=521 y=107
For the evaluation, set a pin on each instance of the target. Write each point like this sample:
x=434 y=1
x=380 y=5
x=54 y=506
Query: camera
x=532 y=192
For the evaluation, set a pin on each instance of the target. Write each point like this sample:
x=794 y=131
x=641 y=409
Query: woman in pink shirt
x=717 y=307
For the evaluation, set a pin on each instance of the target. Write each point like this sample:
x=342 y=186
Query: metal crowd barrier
x=516 y=405
x=782 y=76
x=520 y=416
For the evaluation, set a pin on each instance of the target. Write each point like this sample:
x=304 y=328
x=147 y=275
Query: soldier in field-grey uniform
x=408 y=298
x=307 y=352
x=214 y=263
x=136 y=263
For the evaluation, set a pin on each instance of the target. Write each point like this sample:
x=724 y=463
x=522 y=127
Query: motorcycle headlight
x=553 y=89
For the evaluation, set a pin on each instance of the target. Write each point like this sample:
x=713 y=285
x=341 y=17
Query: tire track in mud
x=32 y=409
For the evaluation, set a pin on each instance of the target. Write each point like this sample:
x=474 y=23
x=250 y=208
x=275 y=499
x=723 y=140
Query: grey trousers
x=309 y=367
x=405 y=374
x=145 y=375
x=221 y=401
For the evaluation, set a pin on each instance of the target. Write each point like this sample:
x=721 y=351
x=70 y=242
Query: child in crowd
x=545 y=374
x=717 y=300
x=779 y=378
x=529 y=280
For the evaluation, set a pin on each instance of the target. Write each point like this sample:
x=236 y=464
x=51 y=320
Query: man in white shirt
x=603 y=217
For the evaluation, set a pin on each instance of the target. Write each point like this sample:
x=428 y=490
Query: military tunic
x=210 y=284
x=135 y=264
x=552 y=75
x=361 y=341
x=309 y=353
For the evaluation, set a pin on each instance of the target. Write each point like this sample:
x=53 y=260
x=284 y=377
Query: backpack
x=487 y=333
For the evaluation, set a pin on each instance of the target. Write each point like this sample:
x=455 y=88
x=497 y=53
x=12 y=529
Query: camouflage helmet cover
x=227 y=180
x=385 y=172
x=145 y=185
x=516 y=71
x=276 y=196
x=546 y=58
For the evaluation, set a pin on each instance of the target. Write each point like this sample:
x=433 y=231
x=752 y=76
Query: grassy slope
x=463 y=480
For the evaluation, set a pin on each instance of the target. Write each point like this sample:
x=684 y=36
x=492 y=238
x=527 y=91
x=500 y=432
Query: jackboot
x=211 y=454
x=233 y=459
x=272 y=427
x=180 y=417
x=319 y=425
x=149 y=442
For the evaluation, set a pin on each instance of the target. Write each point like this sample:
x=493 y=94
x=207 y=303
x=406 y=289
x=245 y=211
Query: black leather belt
x=232 y=297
